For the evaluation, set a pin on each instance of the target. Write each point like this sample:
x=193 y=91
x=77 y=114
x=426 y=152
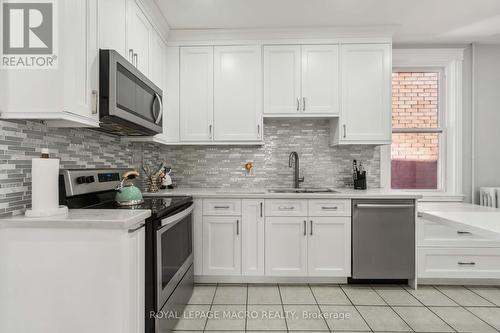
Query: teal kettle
x=127 y=194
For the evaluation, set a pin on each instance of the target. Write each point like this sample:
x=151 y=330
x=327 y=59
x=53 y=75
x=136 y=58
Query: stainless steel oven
x=174 y=256
x=130 y=104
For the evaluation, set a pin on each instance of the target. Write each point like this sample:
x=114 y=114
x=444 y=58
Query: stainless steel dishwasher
x=383 y=239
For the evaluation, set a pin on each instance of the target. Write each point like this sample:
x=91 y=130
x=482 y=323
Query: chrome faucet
x=296 y=179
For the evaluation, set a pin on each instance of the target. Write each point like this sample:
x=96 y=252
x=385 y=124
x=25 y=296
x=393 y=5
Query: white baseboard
x=268 y=279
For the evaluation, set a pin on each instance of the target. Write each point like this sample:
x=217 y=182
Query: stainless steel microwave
x=129 y=104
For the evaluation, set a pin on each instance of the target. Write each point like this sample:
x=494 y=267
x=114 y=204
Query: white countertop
x=483 y=221
x=264 y=194
x=83 y=218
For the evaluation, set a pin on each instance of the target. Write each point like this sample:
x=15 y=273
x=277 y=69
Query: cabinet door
x=282 y=65
x=329 y=246
x=81 y=65
x=253 y=237
x=320 y=79
x=157 y=68
x=221 y=245
x=139 y=38
x=113 y=26
x=196 y=93
x=286 y=246
x=237 y=93
x=366 y=92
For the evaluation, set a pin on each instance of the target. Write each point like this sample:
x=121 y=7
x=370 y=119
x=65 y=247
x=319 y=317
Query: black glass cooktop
x=159 y=207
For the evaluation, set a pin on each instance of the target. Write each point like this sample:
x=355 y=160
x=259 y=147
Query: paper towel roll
x=45 y=188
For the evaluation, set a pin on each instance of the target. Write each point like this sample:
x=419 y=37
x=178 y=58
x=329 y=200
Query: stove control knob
x=89 y=179
x=80 y=180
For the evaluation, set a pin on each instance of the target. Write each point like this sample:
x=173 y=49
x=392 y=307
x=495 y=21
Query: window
x=417 y=139
x=426 y=154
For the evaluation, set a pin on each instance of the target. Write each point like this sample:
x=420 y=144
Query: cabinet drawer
x=459 y=263
x=431 y=234
x=221 y=207
x=329 y=207
x=286 y=207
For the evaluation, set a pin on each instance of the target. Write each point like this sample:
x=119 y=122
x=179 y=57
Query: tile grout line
x=487 y=300
x=390 y=307
x=282 y=305
x=319 y=307
x=428 y=308
x=246 y=310
x=211 y=305
x=465 y=308
x=356 y=308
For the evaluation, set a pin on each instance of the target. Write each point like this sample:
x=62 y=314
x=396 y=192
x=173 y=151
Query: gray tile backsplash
x=193 y=166
x=223 y=166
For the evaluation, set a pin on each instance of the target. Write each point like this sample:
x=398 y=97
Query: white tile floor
x=341 y=308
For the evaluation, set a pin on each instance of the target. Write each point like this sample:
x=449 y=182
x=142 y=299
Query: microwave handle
x=160 y=112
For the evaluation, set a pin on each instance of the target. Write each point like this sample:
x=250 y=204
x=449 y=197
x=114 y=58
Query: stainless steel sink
x=302 y=190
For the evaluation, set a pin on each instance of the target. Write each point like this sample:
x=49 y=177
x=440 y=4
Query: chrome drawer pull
x=471 y=263
x=463 y=232
x=329 y=208
x=286 y=208
x=221 y=207
x=305 y=228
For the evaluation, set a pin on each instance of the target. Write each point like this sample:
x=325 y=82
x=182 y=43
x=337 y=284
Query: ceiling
x=416 y=21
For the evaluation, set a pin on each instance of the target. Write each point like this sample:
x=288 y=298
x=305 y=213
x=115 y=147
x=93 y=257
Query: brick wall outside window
x=415 y=104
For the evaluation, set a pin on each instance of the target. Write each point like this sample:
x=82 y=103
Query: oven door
x=174 y=252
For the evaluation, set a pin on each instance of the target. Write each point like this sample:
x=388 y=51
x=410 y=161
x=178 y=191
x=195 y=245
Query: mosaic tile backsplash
x=193 y=166
x=223 y=166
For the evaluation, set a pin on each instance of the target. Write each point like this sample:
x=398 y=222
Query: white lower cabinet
x=448 y=252
x=252 y=228
x=221 y=245
x=286 y=246
x=329 y=246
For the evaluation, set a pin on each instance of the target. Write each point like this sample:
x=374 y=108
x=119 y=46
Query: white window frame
x=450 y=61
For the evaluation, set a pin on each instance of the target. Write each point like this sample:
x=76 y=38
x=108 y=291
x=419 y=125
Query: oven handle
x=176 y=218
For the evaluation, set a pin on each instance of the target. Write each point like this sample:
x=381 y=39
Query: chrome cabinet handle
x=258 y=130
x=221 y=207
x=464 y=232
x=303 y=103
x=131 y=55
x=329 y=208
x=160 y=111
x=136 y=60
x=94 y=101
x=345 y=131
x=237 y=227
x=210 y=131
x=311 y=231
x=298 y=103
x=261 y=209
x=471 y=263
x=286 y=208
x=305 y=228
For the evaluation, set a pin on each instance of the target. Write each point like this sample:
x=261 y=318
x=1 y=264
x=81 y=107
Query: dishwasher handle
x=384 y=206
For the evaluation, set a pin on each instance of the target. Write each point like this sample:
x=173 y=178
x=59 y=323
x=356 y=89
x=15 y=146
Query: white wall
x=487 y=117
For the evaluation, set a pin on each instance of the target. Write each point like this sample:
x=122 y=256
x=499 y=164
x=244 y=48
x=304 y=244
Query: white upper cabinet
x=282 y=79
x=196 y=93
x=366 y=94
x=237 y=93
x=301 y=80
x=65 y=96
x=320 y=79
x=139 y=37
x=113 y=26
x=157 y=68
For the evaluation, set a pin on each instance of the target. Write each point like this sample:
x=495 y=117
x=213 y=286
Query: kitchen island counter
x=82 y=218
